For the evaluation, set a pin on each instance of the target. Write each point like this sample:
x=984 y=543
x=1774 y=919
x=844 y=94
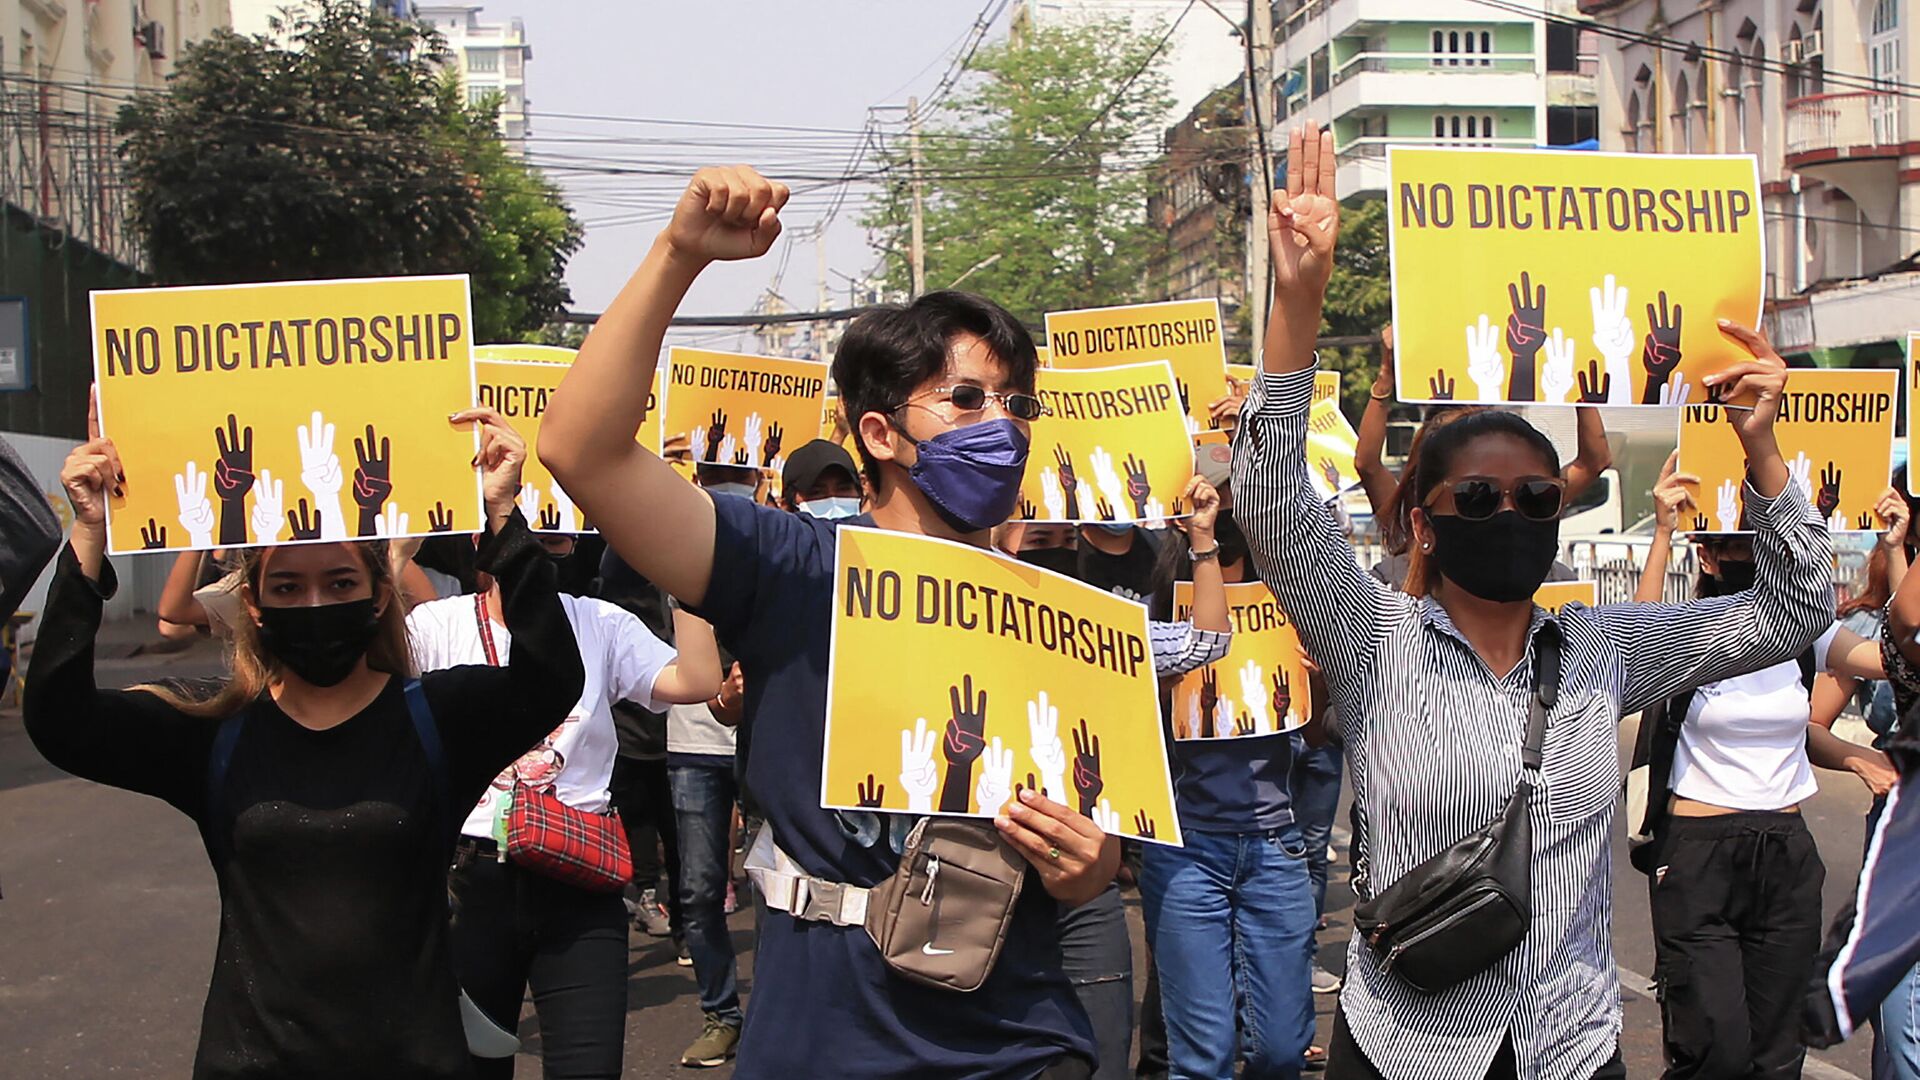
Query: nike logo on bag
x=931 y=951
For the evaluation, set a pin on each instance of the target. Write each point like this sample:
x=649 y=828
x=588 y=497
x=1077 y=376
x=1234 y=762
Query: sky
x=816 y=64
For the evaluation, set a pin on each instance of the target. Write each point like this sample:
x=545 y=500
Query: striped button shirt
x=1433 y=745
x=1180 y=647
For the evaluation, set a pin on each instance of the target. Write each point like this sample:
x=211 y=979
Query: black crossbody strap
x=1546 y=693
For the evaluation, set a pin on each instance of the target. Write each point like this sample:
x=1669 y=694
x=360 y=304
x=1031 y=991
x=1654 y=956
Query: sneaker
x=714 y=1046
x=682 y=956
x=732 y=903
x=1325 y=982
x=650 y=915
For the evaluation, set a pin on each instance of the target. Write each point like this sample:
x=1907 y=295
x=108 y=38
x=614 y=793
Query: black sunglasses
x=1477 y=498
x=969 y=397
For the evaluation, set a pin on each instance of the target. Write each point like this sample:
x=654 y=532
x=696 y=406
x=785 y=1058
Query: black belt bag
x=1458 y=913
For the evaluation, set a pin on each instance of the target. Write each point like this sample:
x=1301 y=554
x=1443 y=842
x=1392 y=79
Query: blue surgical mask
x=745 y=491
x=972 y=474
x=832 y=509
x=1113 y=528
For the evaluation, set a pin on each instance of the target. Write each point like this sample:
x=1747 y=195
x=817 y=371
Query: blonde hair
x=251 y=669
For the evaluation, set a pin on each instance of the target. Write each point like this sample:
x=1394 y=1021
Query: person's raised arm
x=1290 y=533
x=127 y=739
x=695 y=674
x=1376 y=479
x=661 y=525
x=1671 y=499
x=1893 y=512
x=491 y=715
x=1593 y=455
x=1207 y=633
x=179 y=614
x=1667 y=648
x=1903 y=612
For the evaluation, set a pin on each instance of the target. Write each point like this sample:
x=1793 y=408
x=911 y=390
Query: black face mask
x=1503 y=559
x=320 y=644
x=1734 y=576
x=1058 y=560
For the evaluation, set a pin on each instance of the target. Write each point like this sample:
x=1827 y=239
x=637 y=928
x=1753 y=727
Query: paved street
x=109 y=916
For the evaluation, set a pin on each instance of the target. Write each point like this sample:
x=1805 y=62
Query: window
x=1682 y=128
x=1468 y=128
x=1632 y=132
x=1317 y=73
x=483 y=60
x=1886 y=16
x=477 y=94
x=1570 y=124
x=1462 y=48
x=1563 y=47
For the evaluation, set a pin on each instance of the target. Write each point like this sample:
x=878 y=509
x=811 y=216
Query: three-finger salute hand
x=1075 y=858
x=727 y=212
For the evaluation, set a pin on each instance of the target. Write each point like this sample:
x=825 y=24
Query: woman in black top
x=330 y=832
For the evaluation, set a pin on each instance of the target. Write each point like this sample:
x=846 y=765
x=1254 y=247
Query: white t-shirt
x=575 y=762
x=691 y=729
x=1744 y=745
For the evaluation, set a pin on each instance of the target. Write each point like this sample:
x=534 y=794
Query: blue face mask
x=1120 y=528
x=832 y=509
x=972 y=474
x=745 y=491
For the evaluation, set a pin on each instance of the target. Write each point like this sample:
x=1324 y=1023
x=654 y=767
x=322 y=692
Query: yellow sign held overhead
x=290 y=412
x=1259 y=687
x=1021 y=678
x=742 y=410
x=1546 y=276
x=1331 y=440
x=1185 y=333
x=1836 y=432
x=1113 y=446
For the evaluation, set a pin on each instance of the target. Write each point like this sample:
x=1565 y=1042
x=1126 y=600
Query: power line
x=1125 y=85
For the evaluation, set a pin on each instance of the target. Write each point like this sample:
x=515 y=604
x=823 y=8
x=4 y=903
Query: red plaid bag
x=586 y=850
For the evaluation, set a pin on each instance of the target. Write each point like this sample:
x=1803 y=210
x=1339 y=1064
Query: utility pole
x=1259 y=115
x=919 y=252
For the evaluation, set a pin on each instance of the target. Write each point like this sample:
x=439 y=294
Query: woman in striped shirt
x=1432 y=686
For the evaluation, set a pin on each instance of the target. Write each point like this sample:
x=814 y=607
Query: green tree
x=341 y=154
x=1040 y=160
x=1359 y=300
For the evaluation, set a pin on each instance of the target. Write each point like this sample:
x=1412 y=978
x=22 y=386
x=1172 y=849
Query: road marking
x=1635 y=983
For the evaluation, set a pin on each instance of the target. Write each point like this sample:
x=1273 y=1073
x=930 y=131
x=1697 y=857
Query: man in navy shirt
x=938 y=395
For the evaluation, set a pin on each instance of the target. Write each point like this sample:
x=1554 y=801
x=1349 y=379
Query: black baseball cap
x=805 y=465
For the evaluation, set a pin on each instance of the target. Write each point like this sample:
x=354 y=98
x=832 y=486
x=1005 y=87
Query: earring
x=1428 y=546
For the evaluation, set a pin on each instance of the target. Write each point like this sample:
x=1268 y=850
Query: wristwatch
x=1208 y=555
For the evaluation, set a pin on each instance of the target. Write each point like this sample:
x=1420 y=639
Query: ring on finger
x=1053 y=853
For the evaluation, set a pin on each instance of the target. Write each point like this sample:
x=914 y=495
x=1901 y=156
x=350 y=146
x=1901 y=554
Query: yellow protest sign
x=1331 y=440
x=737 y=409
x=1112 y=446
x=288 y=412
x=1576 y=277
x=1259 y=687
x=1246 y=373
x=1043 y=356
x=1555 y=595
x=1836 y=432
x=1020 y=677
x=1185 y=333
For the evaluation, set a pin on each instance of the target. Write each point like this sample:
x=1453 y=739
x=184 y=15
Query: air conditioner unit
x=1792 y=51
x=1814 y=44
x=152 y=36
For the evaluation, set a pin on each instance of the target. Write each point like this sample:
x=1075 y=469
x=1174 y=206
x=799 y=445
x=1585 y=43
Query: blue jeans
x=1097 y=956
x=1316 y=802
x=703 y=798
x=1231 y=921
x=1896 y=1027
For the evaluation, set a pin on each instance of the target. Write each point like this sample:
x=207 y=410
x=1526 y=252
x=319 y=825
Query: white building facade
x=1430 y=72
x=1819 y=91
x=490 y=57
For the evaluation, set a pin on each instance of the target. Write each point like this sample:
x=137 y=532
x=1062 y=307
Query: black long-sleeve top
x=333 y=957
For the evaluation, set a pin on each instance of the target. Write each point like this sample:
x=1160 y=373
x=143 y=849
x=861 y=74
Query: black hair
x=1444 y=443
x=890 y=351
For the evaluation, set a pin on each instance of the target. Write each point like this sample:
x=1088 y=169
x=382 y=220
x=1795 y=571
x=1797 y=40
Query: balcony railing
x=1375 y=146
x=1441 y=63
x=1845 y=122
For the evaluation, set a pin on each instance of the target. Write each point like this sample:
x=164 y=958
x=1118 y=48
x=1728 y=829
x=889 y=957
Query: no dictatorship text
x=970 y=606
x=1562 y=208
x=267 y=343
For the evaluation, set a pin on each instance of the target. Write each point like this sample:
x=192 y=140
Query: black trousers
x=1736 y=926
x=514 y=929
x=1346 y=1061
x=645 y=802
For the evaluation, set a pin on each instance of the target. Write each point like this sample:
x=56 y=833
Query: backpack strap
x=428 y=731
x=219 y=763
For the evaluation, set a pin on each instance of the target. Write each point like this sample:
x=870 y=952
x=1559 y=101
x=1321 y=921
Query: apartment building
x=253 y=17
x=491 y=58
x=1431 y=73
x=1203 y=203
x=1817 y=90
